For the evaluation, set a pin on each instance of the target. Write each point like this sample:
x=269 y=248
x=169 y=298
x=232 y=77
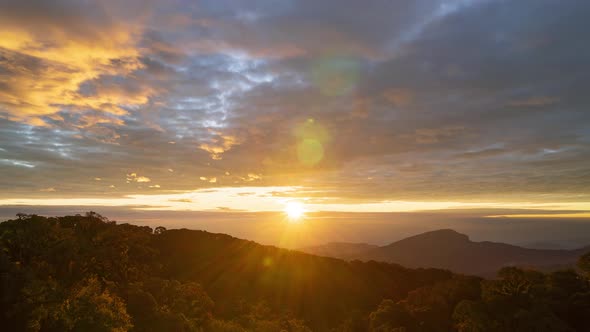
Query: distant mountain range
x=448 y=249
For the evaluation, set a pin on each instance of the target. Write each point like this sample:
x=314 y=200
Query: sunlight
x=295 y=211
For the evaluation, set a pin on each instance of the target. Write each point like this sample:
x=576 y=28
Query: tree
x=584 y=264
x=87 y=306
x=224 y=326
x=142 y=307
x=90 y=307
x=539 y=319
x=472 y=316
x=390 y=316
x=159 y=230
x=514 y=285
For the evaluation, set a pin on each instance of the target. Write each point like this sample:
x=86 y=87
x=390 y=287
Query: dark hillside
x=44 y=260
x=86 y=273
x=319 y=289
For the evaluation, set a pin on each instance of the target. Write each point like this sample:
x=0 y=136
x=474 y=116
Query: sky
x=345 y=106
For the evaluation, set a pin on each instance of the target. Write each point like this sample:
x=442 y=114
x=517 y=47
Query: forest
x=87 y=273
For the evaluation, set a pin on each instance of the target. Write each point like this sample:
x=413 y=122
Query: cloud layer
x=381 y=101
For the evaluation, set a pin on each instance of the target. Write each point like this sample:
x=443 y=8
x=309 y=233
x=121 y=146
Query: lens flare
x=310 y=152
x=311 y=140
x=336 y=75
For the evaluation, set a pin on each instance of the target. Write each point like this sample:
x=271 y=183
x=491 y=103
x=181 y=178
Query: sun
x=294 y=211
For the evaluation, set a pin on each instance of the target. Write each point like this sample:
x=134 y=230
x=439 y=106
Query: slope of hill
x=86 y=273
x=340 y=250
x=231 y=269
x=448 y=249
x=138 y=265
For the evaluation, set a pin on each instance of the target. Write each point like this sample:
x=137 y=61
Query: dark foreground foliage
x=86 y=273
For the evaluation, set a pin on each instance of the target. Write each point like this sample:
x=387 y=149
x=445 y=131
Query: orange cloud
x=219 y=144
x=133 y=177
x=45 y=69
x=210 y=180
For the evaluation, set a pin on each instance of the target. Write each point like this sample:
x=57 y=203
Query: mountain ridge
x=449 y=249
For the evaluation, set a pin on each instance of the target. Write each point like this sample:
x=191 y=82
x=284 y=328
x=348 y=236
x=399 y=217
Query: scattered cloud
x=251 y=177
x=219 y=143
x=212 y=179
x=133 y=177
x=181 y=200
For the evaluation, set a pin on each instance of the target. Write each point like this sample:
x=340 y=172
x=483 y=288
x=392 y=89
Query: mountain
x=542 y=245
x=448 y=249
x=341 y=250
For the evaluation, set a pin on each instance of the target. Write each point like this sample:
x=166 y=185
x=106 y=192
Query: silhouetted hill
x=341 y=250
x=86 y=273
x=448 y=249
x=543 y=245
x=231 y=269
x=139 y=264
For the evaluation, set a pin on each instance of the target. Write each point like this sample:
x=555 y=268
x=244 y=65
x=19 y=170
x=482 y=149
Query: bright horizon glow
x=581 y=215
x=274 y=199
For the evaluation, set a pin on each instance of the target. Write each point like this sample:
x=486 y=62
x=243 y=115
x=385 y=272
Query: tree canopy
x=87 y=273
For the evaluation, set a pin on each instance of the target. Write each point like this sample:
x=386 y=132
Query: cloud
x=133 y=177
x=398 y=96
x=210 y=180
x=252 y=177
x=430 y=99
x=219 y=143
x=483 y=153
x=62 y=45
x=435 y=135
x=536 y=101
x=181 y=200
